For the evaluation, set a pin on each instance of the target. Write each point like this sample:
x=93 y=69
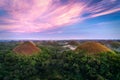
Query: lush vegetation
x=52 y=64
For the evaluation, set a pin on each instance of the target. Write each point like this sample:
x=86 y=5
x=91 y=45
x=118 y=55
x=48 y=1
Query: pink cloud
x=106 y=12
x=40 y=15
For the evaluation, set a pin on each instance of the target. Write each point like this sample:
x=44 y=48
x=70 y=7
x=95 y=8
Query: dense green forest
x=52 y=64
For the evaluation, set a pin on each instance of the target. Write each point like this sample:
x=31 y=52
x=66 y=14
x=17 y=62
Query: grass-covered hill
x=27 y=48
x=93 y=48
x=52 y=64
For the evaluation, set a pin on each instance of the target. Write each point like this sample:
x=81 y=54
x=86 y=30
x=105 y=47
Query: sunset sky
x=59 y=19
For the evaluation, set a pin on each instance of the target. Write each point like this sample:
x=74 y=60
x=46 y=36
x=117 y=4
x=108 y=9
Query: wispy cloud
x=41 y=15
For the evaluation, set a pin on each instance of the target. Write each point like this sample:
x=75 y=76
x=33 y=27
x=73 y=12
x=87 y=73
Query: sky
x=59 y=19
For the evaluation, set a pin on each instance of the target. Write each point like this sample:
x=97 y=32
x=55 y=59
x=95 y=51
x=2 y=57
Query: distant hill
x=92 y=48
x=27 y=47
x=74 y=43
x=115 y=44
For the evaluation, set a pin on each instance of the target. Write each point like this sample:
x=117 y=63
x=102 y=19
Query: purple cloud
x=40 y=15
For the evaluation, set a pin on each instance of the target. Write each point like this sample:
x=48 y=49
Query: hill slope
x=26 y=48
x=92 y=48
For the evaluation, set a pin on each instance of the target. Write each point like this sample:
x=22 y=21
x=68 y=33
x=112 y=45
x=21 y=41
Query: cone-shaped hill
x=92 y=48
x=27 y=48
x=74 y=43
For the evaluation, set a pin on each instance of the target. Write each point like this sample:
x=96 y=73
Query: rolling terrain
x=51 y=60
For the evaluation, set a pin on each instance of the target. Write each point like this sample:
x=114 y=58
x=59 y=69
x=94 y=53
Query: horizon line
x=50 y=39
